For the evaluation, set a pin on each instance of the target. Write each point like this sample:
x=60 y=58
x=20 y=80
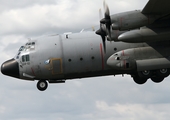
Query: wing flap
x=157 y=7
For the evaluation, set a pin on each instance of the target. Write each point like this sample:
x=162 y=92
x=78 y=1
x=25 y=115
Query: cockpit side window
x=25 y=58
x=19 y=51
x=21 y=48
x=17 y=57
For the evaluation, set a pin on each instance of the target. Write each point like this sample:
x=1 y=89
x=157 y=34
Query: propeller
x=102 y=31
x=105 y=25
x=107 y=19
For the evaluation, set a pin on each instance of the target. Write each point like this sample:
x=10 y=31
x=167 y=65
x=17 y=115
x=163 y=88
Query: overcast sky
x=101 y=98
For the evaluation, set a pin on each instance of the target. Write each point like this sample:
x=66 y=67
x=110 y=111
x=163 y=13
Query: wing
x=157 y=7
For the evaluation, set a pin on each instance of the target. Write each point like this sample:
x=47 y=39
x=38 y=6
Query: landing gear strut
x=42 y=85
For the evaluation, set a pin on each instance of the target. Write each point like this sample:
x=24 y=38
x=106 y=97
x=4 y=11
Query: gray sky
x=101 y=98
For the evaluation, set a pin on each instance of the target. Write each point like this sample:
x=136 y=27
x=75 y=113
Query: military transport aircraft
x=140 y=47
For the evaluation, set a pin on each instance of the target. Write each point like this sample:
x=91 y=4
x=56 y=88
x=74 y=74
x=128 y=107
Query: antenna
x=81 y=30
x=93 y=29
x=29 y=39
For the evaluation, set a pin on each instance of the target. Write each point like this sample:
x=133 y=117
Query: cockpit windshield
x=21 y=48
x=30 y=46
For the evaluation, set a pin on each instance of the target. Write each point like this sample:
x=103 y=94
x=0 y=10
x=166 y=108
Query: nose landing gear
x=42 y=85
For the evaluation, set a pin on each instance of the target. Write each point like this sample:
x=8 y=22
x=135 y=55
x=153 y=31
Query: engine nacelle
x=139 y=59
x=121 y=61
x=145 y=35
x=130 y=20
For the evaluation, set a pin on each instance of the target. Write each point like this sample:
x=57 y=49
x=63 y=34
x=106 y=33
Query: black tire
x=42 y=85
x=163 y=72
x=157 y=79
x=139 y=80
x=145 y=74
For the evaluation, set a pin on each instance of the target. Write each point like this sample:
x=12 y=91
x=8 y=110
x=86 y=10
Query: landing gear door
x=56 y=65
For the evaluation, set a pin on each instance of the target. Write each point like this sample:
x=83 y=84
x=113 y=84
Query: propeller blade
x=102 y=31
x=107 y=19
x=100 y=14
x=103 y=36
x=107 y=11
x=105 y=25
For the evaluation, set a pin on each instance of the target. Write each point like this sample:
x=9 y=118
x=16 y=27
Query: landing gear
x=145 y=74
x=156 y=76
x=163 y=72
x=139 y=80
x=160 y=75
x=142 y=76
x=42 y=85
x=157 y=79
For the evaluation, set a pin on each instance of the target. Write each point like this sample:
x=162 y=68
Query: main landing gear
x=156 y=76
x=42 y=85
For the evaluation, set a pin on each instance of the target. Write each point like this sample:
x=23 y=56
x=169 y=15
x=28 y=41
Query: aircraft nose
x=10 y=68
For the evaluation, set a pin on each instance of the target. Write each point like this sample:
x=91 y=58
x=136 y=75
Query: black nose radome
x=10 y=68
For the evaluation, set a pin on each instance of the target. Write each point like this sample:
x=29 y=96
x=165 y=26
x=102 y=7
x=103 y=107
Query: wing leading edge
x=157 y=7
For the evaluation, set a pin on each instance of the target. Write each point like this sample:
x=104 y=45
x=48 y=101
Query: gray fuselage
x=68 y=56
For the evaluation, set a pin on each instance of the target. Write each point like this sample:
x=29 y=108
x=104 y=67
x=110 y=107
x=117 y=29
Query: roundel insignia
x=47 y=62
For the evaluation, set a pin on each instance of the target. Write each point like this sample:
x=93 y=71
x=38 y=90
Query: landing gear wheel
x=42 y=85
x=145 y=74
x=157 y=79
x=163 y=72
x=139 y=80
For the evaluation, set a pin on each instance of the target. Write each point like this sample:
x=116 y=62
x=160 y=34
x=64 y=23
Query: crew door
x=56 y=65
